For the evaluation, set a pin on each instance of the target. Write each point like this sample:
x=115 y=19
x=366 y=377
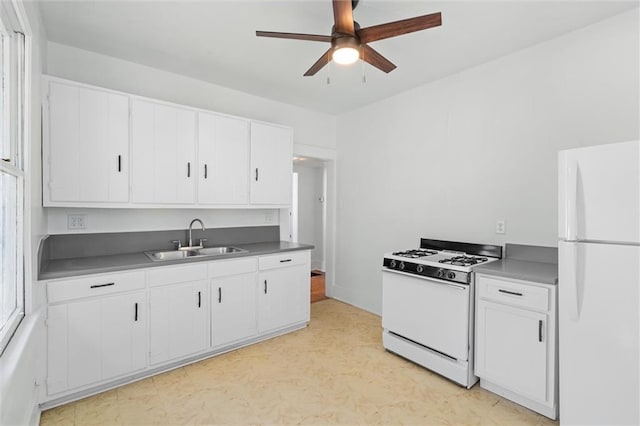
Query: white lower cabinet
x=515 y=341
x=93 y=340
x=178 y=318
x=106 y=327
x=283 y=291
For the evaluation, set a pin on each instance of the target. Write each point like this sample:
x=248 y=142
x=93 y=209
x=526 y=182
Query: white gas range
x=428 y=305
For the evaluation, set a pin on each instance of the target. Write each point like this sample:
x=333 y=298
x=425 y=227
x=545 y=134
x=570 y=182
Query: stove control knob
x=451 y=275
x=420 y=269
x=393 y=264
x=440 y=273
x=401 y=265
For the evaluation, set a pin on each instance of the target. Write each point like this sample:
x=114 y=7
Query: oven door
x=428 y=311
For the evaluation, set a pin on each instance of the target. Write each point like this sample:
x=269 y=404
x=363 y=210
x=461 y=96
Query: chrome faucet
x=201 y=239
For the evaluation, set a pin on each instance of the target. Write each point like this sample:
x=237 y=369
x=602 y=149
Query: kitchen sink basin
x=161 y=255
x=215 y=251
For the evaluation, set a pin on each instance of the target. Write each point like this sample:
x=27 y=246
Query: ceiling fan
x=349 y=41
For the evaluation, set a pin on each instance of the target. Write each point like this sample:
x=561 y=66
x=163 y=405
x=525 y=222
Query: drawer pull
x=136 y=312
x=510 y=292
x=119 y=163
x=539 y=330
x=188 y=169
x=265 y=286
x=199 y=300
x=102 y=285
x=219 y=294
x=285 y=260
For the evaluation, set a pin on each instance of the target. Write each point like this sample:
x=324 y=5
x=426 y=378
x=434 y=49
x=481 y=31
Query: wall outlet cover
x=77 y=221
x=501 y=227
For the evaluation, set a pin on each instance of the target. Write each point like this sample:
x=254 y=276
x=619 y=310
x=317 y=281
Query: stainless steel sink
x=161 y=255
x=216 y=251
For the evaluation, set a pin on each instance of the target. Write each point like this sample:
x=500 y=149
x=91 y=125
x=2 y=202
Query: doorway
x=308 y=217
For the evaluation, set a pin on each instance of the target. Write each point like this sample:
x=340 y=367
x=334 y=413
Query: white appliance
x=599 y=280
x=427 y=305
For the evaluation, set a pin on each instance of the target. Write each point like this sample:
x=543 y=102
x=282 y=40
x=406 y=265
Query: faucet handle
x=178 y=242
x=202 y=240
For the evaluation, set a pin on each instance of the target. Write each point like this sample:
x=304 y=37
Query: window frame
x=15 y=70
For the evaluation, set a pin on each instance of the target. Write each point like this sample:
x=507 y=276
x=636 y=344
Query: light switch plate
x=501 y=227
x=77 y=221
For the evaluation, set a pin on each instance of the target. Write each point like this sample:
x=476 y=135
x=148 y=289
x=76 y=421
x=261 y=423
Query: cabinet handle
x=285 y=260
x=119 y=163
x=539 y=330
x=219 y=294
x=256 y=174
x=510 y=292
x=136 y=312
x=199 y=300
x=102 y=285
x=205 y=171
x=265 y=286
x=188 y=169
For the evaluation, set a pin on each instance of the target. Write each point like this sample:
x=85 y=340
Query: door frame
x=327 y=155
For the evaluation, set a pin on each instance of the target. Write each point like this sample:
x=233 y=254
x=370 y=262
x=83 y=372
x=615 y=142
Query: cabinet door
x=87 y=145
x=223 y=160
x=124 y=334
x=283 y=297
x=233 y=309
x=163 y=152
x=94 y=340
x=178 y=319
x=511 y=349
x=271 y=164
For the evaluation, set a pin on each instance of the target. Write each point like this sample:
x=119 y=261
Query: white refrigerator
x=599 y=281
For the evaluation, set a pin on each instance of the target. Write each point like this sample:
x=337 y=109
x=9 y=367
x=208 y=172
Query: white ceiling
x=215 y=40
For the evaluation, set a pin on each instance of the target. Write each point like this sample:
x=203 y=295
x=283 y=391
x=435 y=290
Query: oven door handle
x=433 y=280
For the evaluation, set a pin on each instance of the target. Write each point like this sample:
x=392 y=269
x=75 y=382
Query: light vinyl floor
x=333 y=372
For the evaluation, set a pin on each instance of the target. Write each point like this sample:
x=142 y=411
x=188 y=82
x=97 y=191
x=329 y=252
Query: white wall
x=310 y=211
x=446 y=160
x=22 y=363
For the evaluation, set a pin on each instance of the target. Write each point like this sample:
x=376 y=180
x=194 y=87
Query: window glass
x=8 y=248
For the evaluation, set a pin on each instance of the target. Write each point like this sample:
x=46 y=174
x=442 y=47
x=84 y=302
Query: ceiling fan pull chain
x=364 y=77
x=329 y=72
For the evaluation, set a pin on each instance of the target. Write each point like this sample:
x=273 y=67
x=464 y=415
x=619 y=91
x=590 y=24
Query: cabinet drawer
x=284 y=260
x=223 y=268
x=177 y=274
x=513 y=293
x=99 y=285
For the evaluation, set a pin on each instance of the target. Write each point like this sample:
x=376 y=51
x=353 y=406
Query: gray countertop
x=63 y=268
x=546 y=273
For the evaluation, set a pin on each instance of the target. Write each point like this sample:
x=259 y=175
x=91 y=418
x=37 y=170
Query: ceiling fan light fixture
x=346 y=51
x=345 y=55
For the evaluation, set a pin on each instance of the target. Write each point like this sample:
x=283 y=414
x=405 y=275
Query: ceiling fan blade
x=405 y=26
x=343 y=16
x=324 y=60
x=371 y=56
x=294 y=36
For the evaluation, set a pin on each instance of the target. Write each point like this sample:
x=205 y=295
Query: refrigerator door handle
x=571 y=200
x=569 y=277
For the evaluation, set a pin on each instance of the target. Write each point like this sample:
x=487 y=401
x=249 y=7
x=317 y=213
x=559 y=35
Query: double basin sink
x=161 y=255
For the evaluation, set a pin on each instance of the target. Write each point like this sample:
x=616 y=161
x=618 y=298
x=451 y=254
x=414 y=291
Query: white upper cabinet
x=163 y=154
x=223 y=160
x=86 y=157
x=271 y=164
x=103 y=148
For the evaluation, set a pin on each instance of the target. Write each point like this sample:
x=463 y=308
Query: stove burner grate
x=464 y=260
x=415 y=254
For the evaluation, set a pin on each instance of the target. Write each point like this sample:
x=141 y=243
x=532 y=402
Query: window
x=12 y=175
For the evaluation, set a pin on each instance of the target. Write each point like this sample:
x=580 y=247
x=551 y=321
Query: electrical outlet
x=501 y=227
x=268 y=217
x=77 y=221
